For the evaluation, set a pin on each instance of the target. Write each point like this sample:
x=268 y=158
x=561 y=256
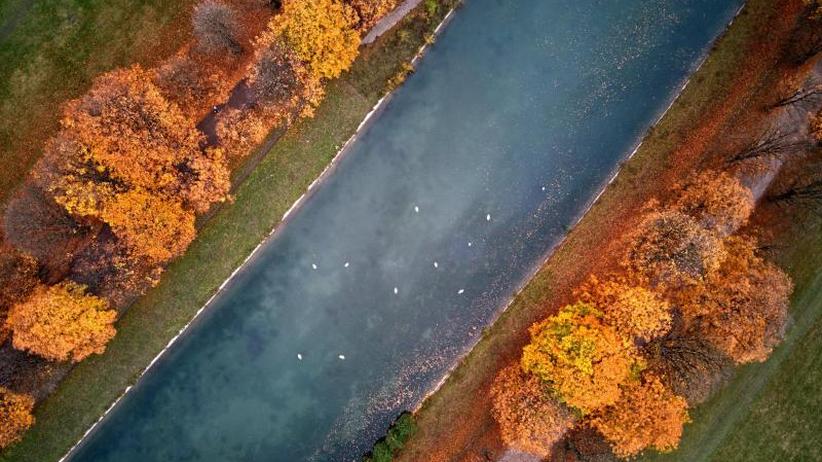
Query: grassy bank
x=683 y=141
x=223 y=243
x=51 y=50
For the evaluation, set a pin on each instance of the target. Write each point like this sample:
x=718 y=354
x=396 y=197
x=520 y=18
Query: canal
x=478 y=165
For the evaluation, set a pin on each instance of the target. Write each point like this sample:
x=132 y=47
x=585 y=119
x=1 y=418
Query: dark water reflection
x=520 y=112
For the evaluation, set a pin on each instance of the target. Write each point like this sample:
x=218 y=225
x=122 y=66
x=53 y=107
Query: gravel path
x=389 y=20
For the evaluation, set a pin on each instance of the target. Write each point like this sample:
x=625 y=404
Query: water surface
x=478 y=165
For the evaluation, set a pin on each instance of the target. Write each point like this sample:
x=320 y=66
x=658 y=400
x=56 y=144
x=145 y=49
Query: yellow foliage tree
x=584 y=360
x=62 y=323
x=150 y=226
x=15 y=416
x=321 y=32
x=742 y=307
x=634 y=311
x=530 y=419
x=647 y=415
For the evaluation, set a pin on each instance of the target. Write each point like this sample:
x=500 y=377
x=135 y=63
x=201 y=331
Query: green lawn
x=771 y=411
x=223 y=243
x=51 y=50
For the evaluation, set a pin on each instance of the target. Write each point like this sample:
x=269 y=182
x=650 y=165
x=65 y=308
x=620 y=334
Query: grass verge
x=282 y=175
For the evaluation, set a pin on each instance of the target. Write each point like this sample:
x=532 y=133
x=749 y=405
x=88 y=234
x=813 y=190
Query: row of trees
x=636 y=348
x=118 y=189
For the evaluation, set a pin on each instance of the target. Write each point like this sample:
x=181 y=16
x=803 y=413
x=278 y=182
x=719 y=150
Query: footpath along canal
x=474 y=170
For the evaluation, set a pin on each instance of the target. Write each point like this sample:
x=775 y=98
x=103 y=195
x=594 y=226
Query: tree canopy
x=15 y=416
x=530 y=419
x=583 y=360
x=62 y=322
x=321 y=33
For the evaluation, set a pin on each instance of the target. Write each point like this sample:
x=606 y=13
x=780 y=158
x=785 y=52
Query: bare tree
x=216 y=28
x=769 y=143
x=809 y=95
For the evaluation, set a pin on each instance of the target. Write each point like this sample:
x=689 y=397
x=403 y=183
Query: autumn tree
x=239 y=131
x=742 y=307
x=216 y=27
x=647 y=415
x=18 y=276
x=61 y=322
x=280 y=82
x=671 y=249
x=113 y=271
x=194 y=86
x=634 y=311
x=530 y=419
x=123 y=134
x=321 y=33
x=687 y=363
x=581 y=358
x=35 y=224
x=150 y=226
x=717 y=201
x=15 y=416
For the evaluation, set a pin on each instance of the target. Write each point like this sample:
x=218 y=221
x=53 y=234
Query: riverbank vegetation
x=103 y=206
x=632 y=334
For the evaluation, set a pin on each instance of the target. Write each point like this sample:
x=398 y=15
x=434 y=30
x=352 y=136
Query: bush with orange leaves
x=321 y=33
x=742 y=307
x=530 y=419
x=717 y=201
x=584 y=360
x=647 y=415
x=634 y=311
x=15 y=416
x=61 y=322
x=672 y=250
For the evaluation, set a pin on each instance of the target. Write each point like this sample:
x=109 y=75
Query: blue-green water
x=512 y=123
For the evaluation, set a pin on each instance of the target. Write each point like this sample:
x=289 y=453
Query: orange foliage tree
x=530 y=419
x=321 y=33
x=583 y=360
x=15 y=416
x=742 y=307
x=717 y=201
x=150 y=227
x=192 y=84
x=130 y=135
x=634 y=311
x=670 y=249
x=647 y=415
x=61 y=323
